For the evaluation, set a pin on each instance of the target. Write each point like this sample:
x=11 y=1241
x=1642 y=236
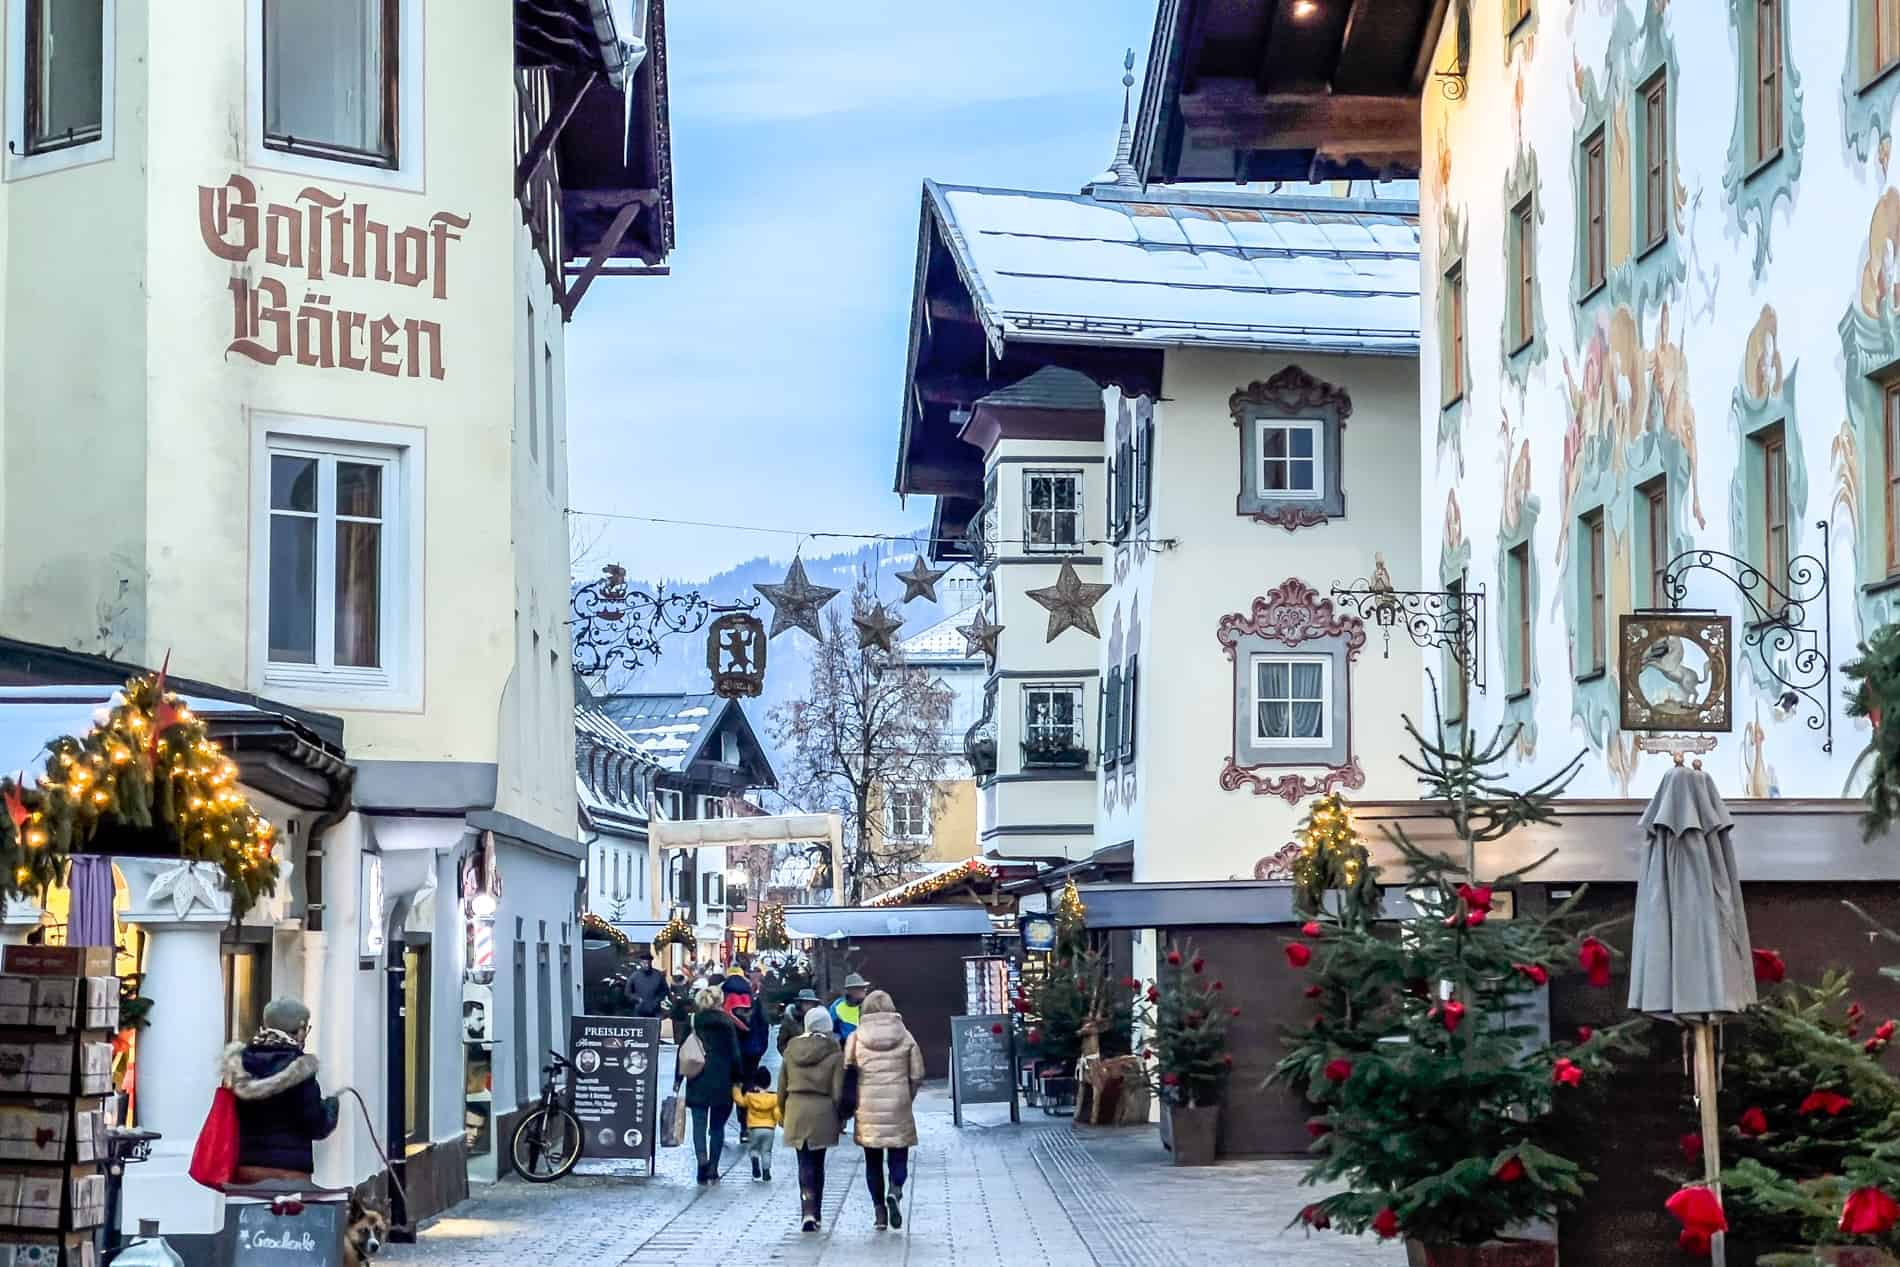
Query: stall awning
x=840 y=923
x=1222 y=902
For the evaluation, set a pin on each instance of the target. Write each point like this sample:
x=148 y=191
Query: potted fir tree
x=1187 y=1033
x=1434 y=1101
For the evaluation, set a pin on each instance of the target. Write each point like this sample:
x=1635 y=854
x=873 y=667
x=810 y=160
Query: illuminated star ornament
x=980 y=635
x=796 y=602
x=1071 y=603
x=876 y=627
x=921 y=581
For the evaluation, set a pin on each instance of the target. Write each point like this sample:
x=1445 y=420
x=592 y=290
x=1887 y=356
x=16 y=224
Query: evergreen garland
x=1436 y=1102
x=677 y=930
x=1876 y=697
x=593 y=925
x=146 y=765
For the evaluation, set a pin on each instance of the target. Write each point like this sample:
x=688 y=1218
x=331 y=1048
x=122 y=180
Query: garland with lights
x=969 y=871
x=771 y=930
x=594 y=926
x=147 y=765
x=1333 y=857
x=677 y=931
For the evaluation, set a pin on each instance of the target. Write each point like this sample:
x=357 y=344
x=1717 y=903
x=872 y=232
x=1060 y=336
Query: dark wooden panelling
x=924 y=977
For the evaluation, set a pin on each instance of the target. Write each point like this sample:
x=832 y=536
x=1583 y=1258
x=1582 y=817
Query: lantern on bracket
x=735 y=655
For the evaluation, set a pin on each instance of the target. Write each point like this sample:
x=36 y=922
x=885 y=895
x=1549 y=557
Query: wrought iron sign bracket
x=1452 y=619
x=1776 y=625
x=612 y=625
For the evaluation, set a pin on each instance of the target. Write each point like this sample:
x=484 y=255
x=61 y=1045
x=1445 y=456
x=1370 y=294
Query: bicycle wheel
x=547 y=1144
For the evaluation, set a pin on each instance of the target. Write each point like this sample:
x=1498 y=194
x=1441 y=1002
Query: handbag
x=214 y=1158
x=692 y=1058
x=672 y=1122
x=848 y=1097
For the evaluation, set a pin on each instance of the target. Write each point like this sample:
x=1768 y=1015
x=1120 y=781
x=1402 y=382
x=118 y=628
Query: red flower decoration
x=1227 y=1058
x=1855 y=1011
x=1566 y=1072
x=1311 y=928
x=1453 y=1016
x=1694 y=1244
x=1885 y=1032
x=1312 y=992
x=1129 y=983
x=1035 y=1038
x=1869 y=1212
x=1197 y=965
x=1317 y=1126
x=1154 y=995
x=1386 y=1224
x=1510 y=1172
x=1691 y=1146
x=1297 y=955
x=1594 y=957
x=1174 y=959
x=1873 y=1046
x=1475 y=918
x=1315 y=1218
x=1534 y=971
x=1698 y=1209
x=1769 y=966
x=1754 y=1122
x=1585 y=1033
x=1338 y=1070
x=1828 y=1102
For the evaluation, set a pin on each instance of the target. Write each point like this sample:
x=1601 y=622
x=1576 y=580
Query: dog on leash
x=368 y=1229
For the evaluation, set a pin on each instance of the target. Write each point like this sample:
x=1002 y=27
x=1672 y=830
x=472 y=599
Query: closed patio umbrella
x=1690 y=958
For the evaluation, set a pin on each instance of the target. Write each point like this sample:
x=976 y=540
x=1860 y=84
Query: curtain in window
x=1308 y=700
x=69 y=40
x=359 y=546
x=323 y=73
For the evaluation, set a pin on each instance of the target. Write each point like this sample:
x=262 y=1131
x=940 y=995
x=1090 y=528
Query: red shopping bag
x=215 y=1157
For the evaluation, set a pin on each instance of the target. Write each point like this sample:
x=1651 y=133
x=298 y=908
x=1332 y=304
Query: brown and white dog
x=368 y=1229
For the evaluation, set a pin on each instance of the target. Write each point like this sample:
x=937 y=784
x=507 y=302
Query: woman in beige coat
x=890 y=1069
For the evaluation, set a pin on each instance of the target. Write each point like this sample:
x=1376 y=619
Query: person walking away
x=890 y=1068
x=792 y=1025
x=759 y=1103
x=758 y=1027
x=709 y=1092
x=281 y=1111
x=646 y=987
x=845 y=1011
x=809 y=1083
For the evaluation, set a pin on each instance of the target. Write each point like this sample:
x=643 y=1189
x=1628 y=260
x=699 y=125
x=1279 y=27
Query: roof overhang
x=1286 y=89
x=852 y=923
x=584 y=35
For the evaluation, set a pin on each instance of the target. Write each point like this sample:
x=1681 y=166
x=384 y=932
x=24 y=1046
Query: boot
x=896 y=1206
x=755 y=1168
x=705 y=1173
x=808 y=1207
x=882 y=1219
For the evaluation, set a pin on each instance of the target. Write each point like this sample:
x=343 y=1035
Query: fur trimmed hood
x=256 y=1071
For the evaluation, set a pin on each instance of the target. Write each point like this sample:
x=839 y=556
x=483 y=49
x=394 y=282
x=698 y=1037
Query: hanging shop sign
x=1676 y=671
x=1039 y=932
x=318 y=239
x=616 y=1093
x=735 y=655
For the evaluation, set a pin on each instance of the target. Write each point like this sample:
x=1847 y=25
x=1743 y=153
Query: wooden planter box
x=1191 y=1133
x=1512 y=1253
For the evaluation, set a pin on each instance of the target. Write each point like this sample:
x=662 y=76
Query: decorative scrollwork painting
x=1292 y=612
x=1291 y=786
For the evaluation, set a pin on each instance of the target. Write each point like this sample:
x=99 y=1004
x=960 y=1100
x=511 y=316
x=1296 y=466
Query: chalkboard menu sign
x=311 y=1237
x=616 y=1075
x=982 y=1063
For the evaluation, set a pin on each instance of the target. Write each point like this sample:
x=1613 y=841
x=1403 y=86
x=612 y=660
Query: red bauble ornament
x=1475 y=918
x=1197 y=965
x=1754 y=1122
x=1311 y=928
x=1828 y=1102
x=1475 y=896
x=1312 y=992
x=1869 y=1212
x=1338 y=1070
x=1694 y=1244
x=1217 y=987
x=1317 y=1126
x=1535 y=971
x=1585 y=1033
x=1174 y=959
x=1698 y=1209
x=1298 y=955
x=1769 y=966
x=1594 y=957
x=1510 y=1172
x=1453 y=1016
x=1691 y=1146
x=1885 y=1032
x=1566 y=1072
x=1315 y=1218
x=1386 y=1224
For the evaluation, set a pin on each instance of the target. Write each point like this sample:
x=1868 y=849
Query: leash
x=389 y=1167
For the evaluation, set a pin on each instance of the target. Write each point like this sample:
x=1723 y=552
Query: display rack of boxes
x=59 y=1010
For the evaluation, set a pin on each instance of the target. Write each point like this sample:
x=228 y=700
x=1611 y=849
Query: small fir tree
x=1332 y=857
x=1435 y=1101
x=1075 y=1000
x=1186 y=1028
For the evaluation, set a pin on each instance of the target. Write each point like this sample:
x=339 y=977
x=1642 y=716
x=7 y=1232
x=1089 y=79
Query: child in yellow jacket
x=760 y=1106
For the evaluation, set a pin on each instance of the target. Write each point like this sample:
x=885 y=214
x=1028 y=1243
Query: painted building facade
x=294 y=325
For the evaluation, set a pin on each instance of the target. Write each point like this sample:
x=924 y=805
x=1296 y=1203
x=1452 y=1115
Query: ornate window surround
x=1295 y=395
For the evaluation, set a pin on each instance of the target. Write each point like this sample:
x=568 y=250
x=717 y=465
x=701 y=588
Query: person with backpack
x=710 y=1065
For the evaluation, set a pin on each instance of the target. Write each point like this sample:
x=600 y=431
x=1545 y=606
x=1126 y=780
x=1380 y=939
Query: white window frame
x=1080 y=511
x=397 y=685
x=1311 y=426
x=407 y=174
x=1078 y=729
x=919 y=829
x=21 y=165
x=668 y=803
x=1325 y=736
x=714 y=807
x=728 y=748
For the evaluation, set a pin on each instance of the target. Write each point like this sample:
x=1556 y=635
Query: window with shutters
x=1592 y=638
x=1518 y=592
x=1764 y=120
x=1452 y=304
x=1654 y=206
x=1652 y=508
x=1144 y=458
x=1521 y=250
x=1594 y=188
x=1771 y=458
x=1110 y=744
x=1123 y=510
x=1131 y=678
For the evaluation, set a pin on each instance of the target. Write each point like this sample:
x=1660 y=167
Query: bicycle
x=548 y=1141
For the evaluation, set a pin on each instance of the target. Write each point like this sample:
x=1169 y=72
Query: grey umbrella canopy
x=1689 y=953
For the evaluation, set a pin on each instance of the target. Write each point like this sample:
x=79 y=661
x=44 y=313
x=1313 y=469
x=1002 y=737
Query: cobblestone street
x=988 y=1195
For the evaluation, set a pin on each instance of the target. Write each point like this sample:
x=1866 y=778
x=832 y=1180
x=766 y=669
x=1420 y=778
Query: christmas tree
x=1434 y=1099
x=1075 y=1002
x=1187 y=1030
x=1332 y=857
x=772 y=934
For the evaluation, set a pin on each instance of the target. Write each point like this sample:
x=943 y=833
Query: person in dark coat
x=758 y=1032
x=281 y=1111
x=709 y=1092
x=646 y=987
x=793 y=1024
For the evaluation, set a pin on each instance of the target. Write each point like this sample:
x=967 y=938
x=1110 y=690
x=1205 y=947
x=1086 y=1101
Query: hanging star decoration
x=980 y=635
x=796 y=602
x=921 y=581
x=876 y=627
x=1070 y=602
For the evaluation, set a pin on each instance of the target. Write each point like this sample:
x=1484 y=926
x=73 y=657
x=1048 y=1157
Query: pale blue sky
x=760 y=382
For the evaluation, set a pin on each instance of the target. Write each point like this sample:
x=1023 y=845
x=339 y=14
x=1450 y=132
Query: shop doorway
x=245 y=954
x=418 y=988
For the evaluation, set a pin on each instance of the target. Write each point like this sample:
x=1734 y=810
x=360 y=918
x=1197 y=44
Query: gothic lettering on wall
x=320 y=237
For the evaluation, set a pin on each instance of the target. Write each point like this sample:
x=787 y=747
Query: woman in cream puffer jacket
x=890 y=1071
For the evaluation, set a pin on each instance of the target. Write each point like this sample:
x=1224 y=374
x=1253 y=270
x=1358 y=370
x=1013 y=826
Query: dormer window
x=729 y=748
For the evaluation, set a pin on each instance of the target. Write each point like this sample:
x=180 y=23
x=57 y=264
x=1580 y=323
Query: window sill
x=1762 y=165
x=1879 y=77
x=1594 y=675
x=1886 y=585
x=1529 y=342
x=1652 y=247
x=1593 y=292
x=1453 y=403
x=1515 y=696
x=1516 y=28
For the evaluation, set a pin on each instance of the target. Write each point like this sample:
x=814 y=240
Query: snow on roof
x=1263 y=272
x=943 y=640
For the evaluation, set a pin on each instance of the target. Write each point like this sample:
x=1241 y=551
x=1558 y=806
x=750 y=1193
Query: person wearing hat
x=646 y=987
x=846 y=1010
x=792 y=1022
